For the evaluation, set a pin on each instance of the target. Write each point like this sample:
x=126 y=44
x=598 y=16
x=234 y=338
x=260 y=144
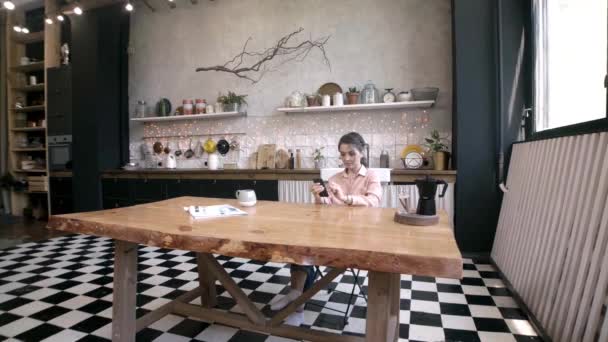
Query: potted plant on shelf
x=318 y=157
x=231 y=102
x=436 y=145
x=353 y=95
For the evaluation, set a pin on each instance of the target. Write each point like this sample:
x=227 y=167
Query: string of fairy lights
x=59 y=17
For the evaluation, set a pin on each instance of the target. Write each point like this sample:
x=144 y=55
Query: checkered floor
x=61 y=290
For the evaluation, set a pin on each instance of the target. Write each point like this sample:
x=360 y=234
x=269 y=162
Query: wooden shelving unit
x=37 y=66
x=30 y=88
x=28 y=38
x=19 y=91
x=28 y=129
x=28 y=109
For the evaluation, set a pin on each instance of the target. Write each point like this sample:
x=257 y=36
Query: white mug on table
x=246 y=198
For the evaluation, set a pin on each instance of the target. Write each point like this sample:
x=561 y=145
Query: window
x=571 y=61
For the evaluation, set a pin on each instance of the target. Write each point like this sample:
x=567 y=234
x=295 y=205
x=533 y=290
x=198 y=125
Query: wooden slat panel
x=589 y=233
x=599 y=289
x=563 y=231
x=573 y=256
x=552 y=235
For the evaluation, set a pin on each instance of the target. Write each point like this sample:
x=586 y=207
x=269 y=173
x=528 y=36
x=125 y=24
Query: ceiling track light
x=25 y=30
x=48 y=20
x=60 y=17
x=9 y=5
x=129 y=7
x=17 y=28
x=77 y=8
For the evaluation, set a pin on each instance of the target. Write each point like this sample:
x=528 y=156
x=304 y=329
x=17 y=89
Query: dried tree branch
x=261 y=59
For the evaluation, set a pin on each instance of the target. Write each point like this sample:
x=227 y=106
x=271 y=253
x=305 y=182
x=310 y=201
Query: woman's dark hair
x=355 y=140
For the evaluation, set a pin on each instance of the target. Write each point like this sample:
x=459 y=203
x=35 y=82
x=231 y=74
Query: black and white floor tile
x=61 y=290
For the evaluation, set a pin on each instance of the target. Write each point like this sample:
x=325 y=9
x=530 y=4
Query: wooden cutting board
x=266 y=156
x=282 y=159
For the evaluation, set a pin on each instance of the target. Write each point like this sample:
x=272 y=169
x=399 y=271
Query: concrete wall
x=399 y=44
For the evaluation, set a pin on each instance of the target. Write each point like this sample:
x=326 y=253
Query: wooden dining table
x=306 y=234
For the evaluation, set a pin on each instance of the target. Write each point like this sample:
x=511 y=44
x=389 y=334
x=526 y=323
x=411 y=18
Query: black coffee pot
x=427 y=188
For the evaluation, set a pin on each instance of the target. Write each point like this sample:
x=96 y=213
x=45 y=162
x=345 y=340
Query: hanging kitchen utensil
x=167 y=148
x=210 y=146
x=198 y=150
x=189 y=153
x=234 y=144
x=178 y=151
x=157 y=147
x=223 y=146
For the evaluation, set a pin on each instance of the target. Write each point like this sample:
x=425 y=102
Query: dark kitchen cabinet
x=265 y=190
x=59 y=101
x=118 y=192
x=116 y=187
x=220 y=188
x=62 y=200
x=183 y=187
x=149 y=190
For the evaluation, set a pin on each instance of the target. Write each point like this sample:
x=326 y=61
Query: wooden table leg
x=382 y=322
x=207 y=282
x=125 y=291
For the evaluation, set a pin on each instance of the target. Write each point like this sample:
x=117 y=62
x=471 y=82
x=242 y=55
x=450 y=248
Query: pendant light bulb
x=25 y=30
x=48 y=20
x=129 y=7
x=17 y=28
x=60 y=17
x=9 y=5
x=78 y=10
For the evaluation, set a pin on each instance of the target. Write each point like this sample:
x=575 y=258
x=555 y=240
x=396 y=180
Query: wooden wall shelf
x=37 y=66
x=28 y=38
x=28 y=129
x=30 y=88
x=359 y=107
x=191 y=117
x=29 y=109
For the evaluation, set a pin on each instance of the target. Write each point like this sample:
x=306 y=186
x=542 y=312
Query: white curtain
x=541 y=84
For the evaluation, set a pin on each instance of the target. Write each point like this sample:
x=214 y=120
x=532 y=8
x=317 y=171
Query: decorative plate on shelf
x=412 y=156
x=330 y=89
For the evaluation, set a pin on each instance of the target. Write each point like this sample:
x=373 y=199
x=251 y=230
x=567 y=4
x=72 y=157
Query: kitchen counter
x=397 y=175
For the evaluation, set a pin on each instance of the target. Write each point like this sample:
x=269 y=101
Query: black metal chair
x=352 y=294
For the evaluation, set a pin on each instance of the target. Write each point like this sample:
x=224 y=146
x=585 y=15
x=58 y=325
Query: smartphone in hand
x=324 y=192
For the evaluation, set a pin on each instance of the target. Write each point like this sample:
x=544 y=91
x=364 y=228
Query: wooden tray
x=415 y=219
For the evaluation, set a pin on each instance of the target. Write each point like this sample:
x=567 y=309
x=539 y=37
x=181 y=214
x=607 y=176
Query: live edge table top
x=307 y=234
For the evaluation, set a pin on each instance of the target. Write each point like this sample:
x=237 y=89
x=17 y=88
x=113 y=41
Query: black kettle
x=427 y=188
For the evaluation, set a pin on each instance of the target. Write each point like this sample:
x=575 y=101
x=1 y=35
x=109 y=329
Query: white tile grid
x=389 y=131
x=427 y=312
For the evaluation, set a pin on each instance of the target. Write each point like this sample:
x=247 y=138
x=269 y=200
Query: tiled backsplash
x=390 y=130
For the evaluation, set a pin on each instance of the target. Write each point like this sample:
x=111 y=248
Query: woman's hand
x=337 y=191
x=316 y=189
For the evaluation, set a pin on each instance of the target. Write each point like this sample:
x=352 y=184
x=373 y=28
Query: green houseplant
x=437 y=145
x=318 y=157
x=353 y=95
x=232 y=102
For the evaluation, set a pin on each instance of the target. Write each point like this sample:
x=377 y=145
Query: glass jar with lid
x=370 y=93
x=140 y=109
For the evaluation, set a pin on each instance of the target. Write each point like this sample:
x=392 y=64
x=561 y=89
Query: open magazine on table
x=220 y=210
